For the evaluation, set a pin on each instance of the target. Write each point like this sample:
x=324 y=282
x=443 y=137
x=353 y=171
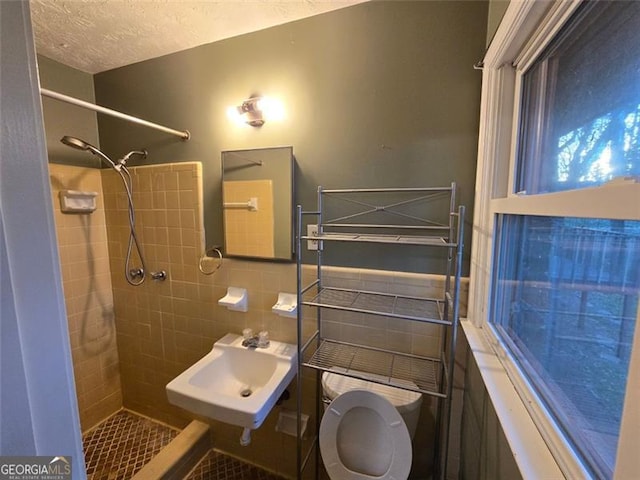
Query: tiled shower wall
x=163 y=327
x=82 y=245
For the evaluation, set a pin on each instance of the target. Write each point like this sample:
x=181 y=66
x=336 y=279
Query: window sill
x=531 y=453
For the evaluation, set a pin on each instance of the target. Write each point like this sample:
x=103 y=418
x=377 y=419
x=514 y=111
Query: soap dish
x=235 y=299
x=287 y=305
x=76 y=201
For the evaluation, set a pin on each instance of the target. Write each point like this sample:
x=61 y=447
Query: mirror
x=257 y=202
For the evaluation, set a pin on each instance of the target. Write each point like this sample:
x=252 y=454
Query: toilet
x=366 y=430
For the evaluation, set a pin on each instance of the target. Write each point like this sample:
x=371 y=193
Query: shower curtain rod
x=184 y=134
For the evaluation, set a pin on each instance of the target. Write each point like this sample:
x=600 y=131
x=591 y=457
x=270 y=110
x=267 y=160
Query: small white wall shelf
x=236 y=299
x=287 y=305
x=76 y=201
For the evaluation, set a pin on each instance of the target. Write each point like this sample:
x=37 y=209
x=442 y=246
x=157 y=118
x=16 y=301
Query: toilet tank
x=406 y=402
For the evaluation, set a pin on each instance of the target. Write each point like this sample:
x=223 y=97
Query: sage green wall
x=381 y=94
x=64 y=119
x=496 y=12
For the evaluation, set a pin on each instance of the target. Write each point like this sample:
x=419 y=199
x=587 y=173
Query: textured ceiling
x=98 y=35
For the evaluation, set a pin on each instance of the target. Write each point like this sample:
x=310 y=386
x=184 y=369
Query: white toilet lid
x=362 y=436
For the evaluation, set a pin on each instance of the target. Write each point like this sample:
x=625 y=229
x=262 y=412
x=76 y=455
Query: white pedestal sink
x=235 y=384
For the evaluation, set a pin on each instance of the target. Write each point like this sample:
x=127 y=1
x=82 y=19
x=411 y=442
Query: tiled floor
x=218 y=466
x=122 y=444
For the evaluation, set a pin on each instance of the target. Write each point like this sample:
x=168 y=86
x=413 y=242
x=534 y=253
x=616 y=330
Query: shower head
x=141 y=153
x=76 y=143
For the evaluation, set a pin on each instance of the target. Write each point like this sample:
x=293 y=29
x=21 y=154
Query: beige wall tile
x=82 y=243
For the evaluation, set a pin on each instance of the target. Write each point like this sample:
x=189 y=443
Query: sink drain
x=246 y=392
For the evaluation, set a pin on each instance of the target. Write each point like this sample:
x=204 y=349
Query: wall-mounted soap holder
x=287 y=305
x=236 y=299
x=76 y=201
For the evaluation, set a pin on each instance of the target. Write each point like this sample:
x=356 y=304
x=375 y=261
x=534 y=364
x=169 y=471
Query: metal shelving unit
x=366 y=220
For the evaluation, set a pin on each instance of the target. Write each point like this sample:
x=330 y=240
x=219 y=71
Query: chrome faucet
x=251 y=342
x=257 y=341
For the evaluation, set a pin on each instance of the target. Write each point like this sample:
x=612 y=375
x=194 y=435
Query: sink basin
x=235 y=384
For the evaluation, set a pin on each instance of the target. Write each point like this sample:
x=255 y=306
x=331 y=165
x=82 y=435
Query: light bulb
x=235 y=115
x=271 y=108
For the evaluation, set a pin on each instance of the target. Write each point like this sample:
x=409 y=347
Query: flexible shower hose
x=133 y=237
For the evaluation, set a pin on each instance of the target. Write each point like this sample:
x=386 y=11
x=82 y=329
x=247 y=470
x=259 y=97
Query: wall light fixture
x=257 y=110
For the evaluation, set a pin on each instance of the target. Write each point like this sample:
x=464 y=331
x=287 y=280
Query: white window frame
x=527 y=27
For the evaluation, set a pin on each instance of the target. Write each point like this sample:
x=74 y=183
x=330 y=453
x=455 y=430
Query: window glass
x=565 y=302
x=581 y=103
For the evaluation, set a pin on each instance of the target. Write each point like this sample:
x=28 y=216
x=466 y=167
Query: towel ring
x=206 y=255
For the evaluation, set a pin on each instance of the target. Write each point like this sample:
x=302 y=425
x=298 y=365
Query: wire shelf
x=408 y=372
x=388 y=305
x=380 y=238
